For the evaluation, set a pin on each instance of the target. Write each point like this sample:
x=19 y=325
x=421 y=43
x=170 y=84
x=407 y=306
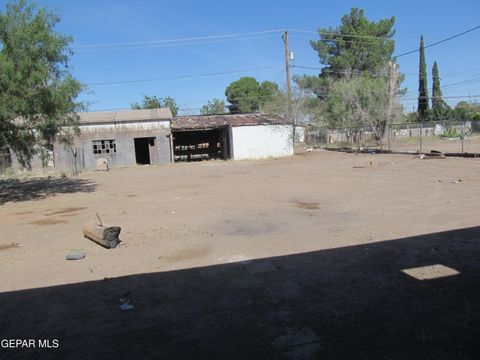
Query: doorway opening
x=142 y=150
x=197 y=145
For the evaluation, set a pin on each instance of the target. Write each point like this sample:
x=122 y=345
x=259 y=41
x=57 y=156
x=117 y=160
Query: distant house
x=154 y=136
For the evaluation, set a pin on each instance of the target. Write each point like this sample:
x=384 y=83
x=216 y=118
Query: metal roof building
x=154 y=136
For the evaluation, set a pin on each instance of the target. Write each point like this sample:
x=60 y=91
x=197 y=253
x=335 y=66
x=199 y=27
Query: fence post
x=463 y=133
x=421 y=131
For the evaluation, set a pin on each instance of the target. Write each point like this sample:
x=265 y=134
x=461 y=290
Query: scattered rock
x=75 y=255
x=102 y=164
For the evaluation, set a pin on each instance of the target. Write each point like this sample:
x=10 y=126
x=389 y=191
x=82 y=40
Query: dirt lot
x=471 y=144
x=292 y=258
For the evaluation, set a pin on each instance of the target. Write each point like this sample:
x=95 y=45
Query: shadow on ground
x=345 y=303
x=16 y=190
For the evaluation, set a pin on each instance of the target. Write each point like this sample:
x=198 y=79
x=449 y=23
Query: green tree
x=246 y=95
x=243 y=95
x=357 y=45
x=440 y=108
x=170 y=103
x=268 y=90
x=37 y=91
x=358 y=103
x=213 y=107
x=465 y=110
x=423 y=108
x=154 y=102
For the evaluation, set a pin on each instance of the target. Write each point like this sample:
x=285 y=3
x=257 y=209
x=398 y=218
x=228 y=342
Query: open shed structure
x=237 y=137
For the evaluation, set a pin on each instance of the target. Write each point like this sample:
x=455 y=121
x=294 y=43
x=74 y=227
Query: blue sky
x=97 y=22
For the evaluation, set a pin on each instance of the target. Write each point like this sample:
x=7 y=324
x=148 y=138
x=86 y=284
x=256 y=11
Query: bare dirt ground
x=294 y=258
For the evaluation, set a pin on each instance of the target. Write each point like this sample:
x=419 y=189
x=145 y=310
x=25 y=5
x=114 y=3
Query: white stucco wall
x=261 y=141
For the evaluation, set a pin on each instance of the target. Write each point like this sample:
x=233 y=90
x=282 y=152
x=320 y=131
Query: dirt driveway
x=305 y=257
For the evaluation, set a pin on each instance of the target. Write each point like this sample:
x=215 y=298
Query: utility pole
x=289 y=88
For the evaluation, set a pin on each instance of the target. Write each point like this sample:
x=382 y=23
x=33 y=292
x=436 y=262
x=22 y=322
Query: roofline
x=120 y=121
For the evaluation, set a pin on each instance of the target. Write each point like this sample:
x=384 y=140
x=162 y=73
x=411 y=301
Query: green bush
x=451 y=132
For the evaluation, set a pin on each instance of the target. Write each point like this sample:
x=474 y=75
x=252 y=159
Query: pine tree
x=436 y=90
x=439 y=107
x=423 y=108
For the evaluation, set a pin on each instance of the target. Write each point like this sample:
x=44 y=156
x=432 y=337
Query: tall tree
x=440 y=108
x=359 y=103
x=246 y=95
x=357 y=45
x=268 y=90
x=37 y=91
x=213 y=107
x=423 y=108
x=154 y=102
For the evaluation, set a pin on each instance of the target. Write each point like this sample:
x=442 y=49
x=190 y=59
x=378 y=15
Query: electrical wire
x=137 y=43
x=439 y=42
x=155 y=46
x=215 y=37
x=338 y=40
x=343 y=35
x=181 y=77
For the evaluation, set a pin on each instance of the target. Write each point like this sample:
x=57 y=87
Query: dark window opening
x=104 y=146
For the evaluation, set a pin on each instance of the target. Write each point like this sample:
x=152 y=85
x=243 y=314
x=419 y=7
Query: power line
x=461 y=82
x=343 y=35
x=341 y=40
x=135 y=43
x=450 y=85
x=377 y=73
x=446 y=97
x=153 y=46
x=439 y=42
x=214 y=37
x=180 y=77
x=199 y=108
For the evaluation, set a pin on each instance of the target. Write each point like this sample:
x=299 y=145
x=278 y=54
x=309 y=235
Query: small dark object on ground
x=125 y=302
x=10 y=246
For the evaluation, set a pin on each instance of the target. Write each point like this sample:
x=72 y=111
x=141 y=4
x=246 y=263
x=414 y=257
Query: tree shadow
x=354 y=302
x=17 y=190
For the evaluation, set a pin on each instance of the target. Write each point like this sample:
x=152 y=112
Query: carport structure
x=239 y=136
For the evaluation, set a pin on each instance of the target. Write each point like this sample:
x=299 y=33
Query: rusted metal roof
x=201 y=122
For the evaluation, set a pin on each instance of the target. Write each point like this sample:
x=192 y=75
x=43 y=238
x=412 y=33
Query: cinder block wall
x=125 y=149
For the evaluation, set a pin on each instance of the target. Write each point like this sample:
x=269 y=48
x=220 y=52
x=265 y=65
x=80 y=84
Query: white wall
x=261 y=141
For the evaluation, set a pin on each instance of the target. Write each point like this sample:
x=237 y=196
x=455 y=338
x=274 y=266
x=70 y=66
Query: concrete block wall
x=125 y=149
